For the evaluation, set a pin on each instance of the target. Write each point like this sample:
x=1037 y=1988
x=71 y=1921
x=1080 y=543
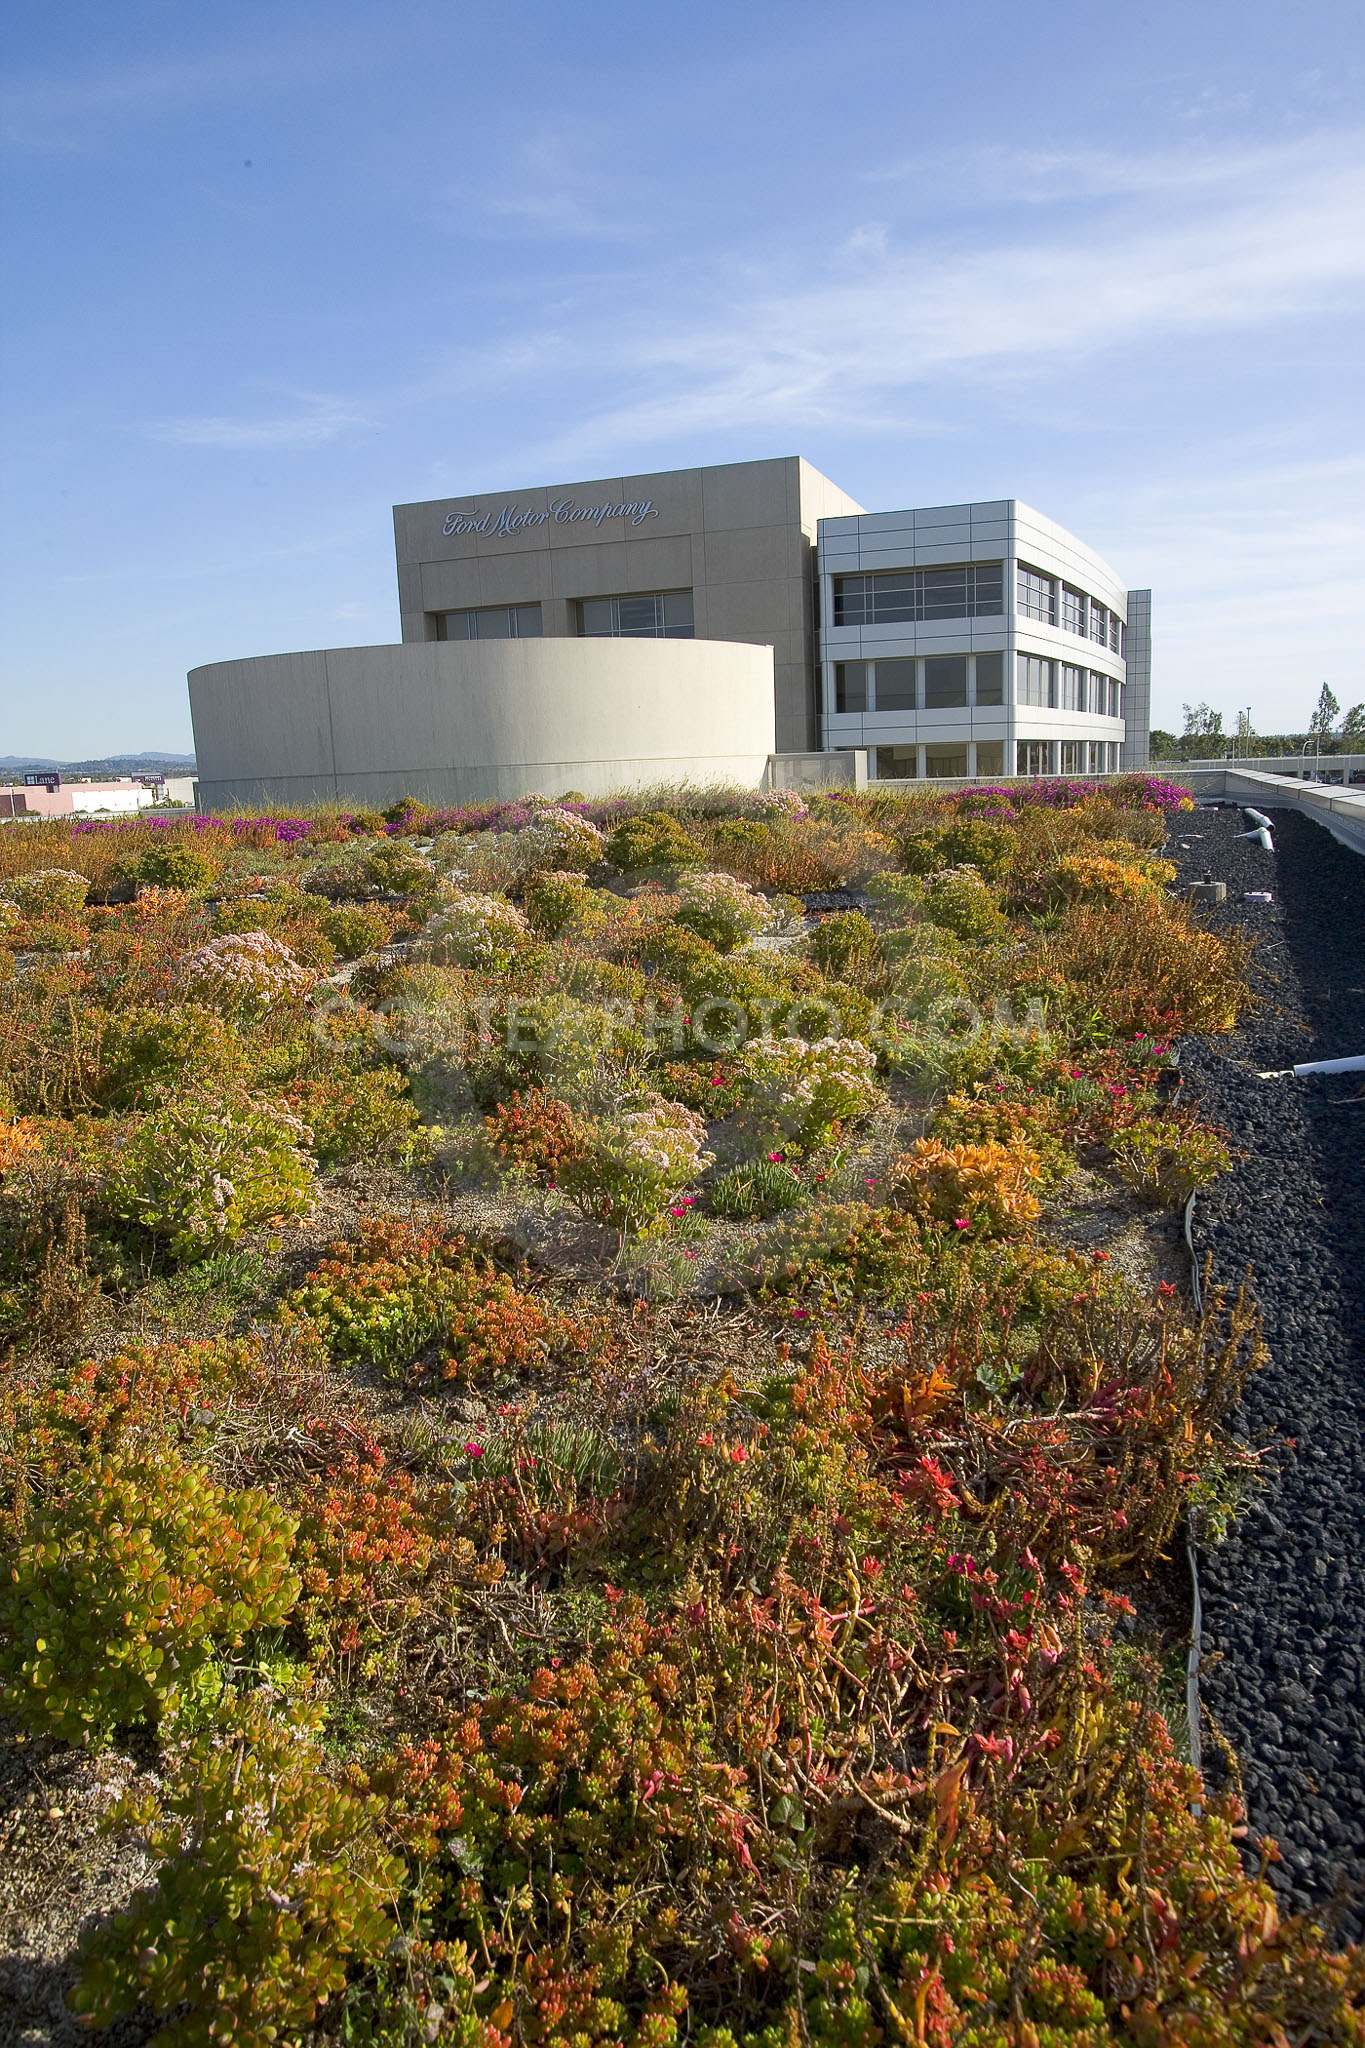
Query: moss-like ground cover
x=560 y=1417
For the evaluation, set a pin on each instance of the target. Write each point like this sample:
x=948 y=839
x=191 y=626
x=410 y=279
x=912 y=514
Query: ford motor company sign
x=563 y=512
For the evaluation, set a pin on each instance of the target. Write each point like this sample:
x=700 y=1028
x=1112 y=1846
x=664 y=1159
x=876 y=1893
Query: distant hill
x=108 y=764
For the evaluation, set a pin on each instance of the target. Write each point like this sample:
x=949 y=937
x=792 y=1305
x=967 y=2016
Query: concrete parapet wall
x=1341 y=810
x=456 y=722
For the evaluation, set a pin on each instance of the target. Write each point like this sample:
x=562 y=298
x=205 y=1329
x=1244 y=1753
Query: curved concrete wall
x=475 y=721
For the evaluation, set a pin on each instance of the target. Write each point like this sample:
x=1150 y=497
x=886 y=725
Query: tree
x=1164 y=745
x=1320 y=724
x=1203 y=728
x=1351 y=731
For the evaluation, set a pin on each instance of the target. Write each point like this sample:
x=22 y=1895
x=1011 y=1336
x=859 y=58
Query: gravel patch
x=1284 y=1596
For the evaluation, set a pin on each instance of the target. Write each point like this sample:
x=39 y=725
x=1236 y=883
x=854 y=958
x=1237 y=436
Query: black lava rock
x=1287 y=1593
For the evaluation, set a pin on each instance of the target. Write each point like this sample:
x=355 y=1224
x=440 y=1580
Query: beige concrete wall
x=739 y=535
x=470 y=721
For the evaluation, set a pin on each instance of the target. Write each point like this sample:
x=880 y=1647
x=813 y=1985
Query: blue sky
x=277 y=265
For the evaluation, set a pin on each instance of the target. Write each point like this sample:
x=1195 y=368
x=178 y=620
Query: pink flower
x=962 y=1223
x=473 y=1450
x=775 y=1158
x=716 y=1081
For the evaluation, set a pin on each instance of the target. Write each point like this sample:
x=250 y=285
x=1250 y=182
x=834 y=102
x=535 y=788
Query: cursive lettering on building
x=563 y=511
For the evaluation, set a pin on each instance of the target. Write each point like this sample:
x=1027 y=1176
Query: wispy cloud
x=320 y=420
x=68 y=111
x=1264 y=238
x=564 y=185
x=1254 y=560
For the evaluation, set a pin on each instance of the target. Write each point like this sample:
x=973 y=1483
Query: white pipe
x=1354 y=1065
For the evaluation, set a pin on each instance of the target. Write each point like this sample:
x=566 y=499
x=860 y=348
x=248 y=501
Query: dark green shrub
x=971 y=842
x=175 y=866
x=960 y=901
x=652 y=844
x=145 y=1050
x=369 y=1114
x=353 y=929
x=845 y=944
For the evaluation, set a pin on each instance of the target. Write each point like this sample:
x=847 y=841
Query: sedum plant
x=243 y=971
x=199 y=1169
x=485 y=932
x=126 y=1586
x=173 y=866
x=558 y=840
x=1166 y=1160
x=58 y=893
x=270 y=1880
x=653 y=843
x=634 y=1162
x=801 y=1090
x=987 y=1186
x=960 y=901
x=386 y=868
x=721 y=910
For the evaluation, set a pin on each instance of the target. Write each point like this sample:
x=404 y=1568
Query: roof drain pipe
x=1354 y=1065
x=1192 y=1710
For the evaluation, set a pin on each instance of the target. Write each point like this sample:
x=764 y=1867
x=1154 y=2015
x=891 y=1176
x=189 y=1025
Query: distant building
x=543 y=647
x=121 y=795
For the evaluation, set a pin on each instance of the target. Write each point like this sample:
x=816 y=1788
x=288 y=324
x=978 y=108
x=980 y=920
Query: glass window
x=495 y=622
x=945 y=682
x=1099 y=694
x=638 y=617
x=1099 y=623
x=894 y=682
x=1033 y=757
x=1073 y=610
x=902 y=596
x=1037 y=595
x=1071 y=687
x=897 y=764
x=990 y=757
x=1115 y=700
x=990 y=679
x=1115 y=633
x=1034 y=683
x=653 y=615
x=850 y=686
x=945 y=760
x=1071 y=754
